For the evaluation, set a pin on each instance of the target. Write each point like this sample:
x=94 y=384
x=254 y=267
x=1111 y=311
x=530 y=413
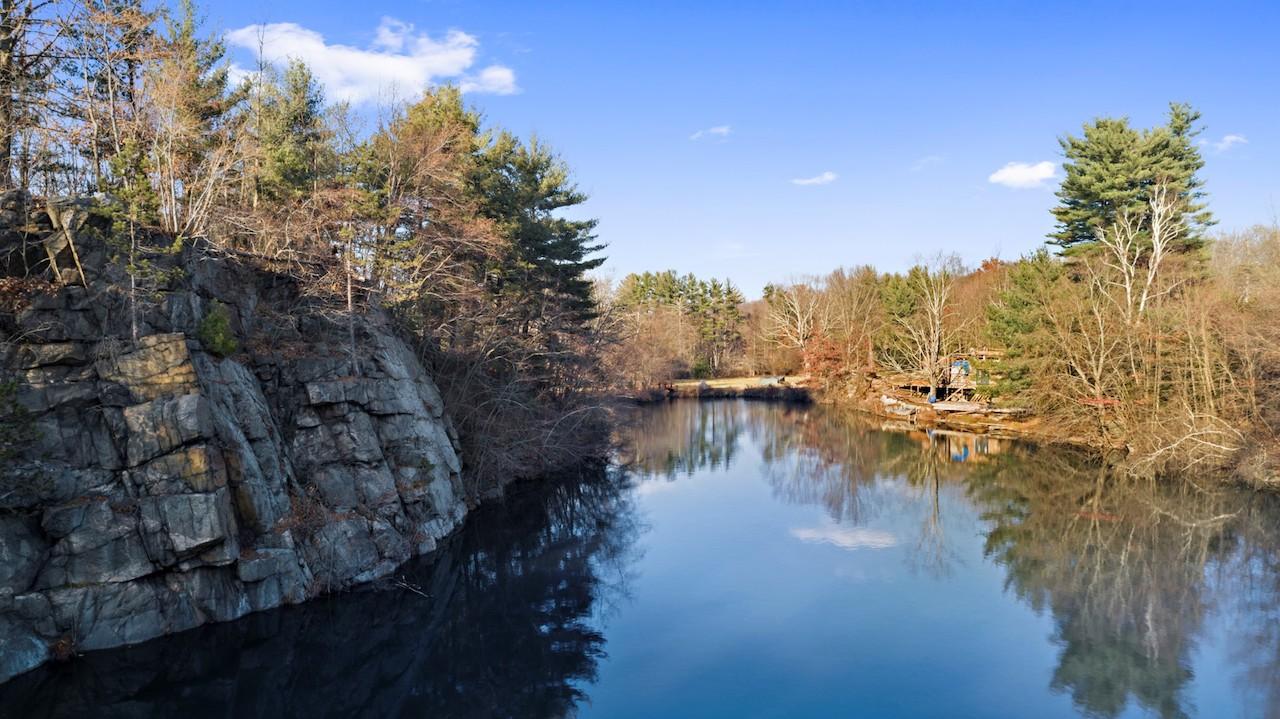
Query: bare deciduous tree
x=851 y=313
x=1136 y=248
x=28 y=38
x=792 y=318
x=926 y=336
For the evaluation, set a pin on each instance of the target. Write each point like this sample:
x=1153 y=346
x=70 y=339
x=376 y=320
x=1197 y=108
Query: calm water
x=765 y=561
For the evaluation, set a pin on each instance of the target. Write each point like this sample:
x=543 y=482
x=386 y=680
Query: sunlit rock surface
x=165 y=487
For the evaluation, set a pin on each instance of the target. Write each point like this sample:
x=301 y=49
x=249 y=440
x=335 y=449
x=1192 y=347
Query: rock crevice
x=165 y=487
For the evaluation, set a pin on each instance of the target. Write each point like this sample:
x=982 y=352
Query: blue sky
x=897 y=114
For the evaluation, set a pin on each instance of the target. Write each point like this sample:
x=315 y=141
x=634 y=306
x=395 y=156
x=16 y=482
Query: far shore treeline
x=1138 y=326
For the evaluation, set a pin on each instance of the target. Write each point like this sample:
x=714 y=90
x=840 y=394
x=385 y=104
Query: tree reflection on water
x=505 y=630
x=671 y=440
x=1131 y=573
x=1128 y=569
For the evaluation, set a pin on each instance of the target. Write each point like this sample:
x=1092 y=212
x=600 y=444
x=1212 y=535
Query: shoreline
x=876 y=400
x=882 y=399
x=755 y=388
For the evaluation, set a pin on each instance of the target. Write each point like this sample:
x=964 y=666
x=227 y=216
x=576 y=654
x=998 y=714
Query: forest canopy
x=454 y=227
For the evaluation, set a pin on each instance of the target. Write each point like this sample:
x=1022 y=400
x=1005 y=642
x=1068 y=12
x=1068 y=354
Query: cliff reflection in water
x=1127 y=569
x=505 y=631
x=1153 y=590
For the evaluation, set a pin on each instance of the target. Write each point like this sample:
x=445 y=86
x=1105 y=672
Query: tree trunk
x=351 y=316
x=10 y=30
x=133 y=284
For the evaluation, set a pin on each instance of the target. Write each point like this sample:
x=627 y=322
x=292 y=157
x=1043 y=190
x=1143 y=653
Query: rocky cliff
x=161 y=486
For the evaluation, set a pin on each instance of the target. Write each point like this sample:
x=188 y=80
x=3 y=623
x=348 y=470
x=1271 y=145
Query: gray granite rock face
x=165 y=487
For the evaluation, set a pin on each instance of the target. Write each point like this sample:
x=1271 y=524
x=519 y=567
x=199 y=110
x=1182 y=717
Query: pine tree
x=292 y=135
x=197 y=67
x=897 y=296
x=523 y=189
x=1017 y=319
x=711 y=309
x=1111 y=169
x=412 y=176
x=722 y=326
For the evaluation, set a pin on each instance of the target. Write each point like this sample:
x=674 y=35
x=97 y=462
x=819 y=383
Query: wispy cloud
x=719 y=132
x=926 y=162
x=845 y=537
x=400 y=62
x=825 y=178
x=1023 y=175
x=1226 y=143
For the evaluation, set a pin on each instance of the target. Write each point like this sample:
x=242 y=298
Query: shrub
x=701 y=369
x=215 y=331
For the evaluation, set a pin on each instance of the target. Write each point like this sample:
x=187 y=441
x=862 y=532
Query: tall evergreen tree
x=1017 y=319
x=721 y=328
x=712 y=309
x=524 y=189
x=1112 y=167
x=292 y=135
x=199 y=74
x=413 y=177
x=116 y=42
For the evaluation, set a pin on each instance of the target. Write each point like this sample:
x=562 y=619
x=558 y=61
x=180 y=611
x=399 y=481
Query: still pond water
x=759 y=560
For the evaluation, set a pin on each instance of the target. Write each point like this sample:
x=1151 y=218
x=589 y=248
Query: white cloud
x=719 y=132
x=237 y=74
x=926 y=162
x=391 y=34
x=845 y=537
x=1023 y=175
x=1226 y=143
x=400 y=62
x=494 y=80
x=825 y=178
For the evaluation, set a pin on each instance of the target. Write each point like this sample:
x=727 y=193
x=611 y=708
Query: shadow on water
x=504 y=631
x=1134 y=576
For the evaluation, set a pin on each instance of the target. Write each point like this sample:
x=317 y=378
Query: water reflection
x=1130 y=571
x=507 y=630
x=1127 y=569
x=671 y=440
x=1152 y=590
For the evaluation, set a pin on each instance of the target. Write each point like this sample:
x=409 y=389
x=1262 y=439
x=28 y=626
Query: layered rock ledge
x=165 y=487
